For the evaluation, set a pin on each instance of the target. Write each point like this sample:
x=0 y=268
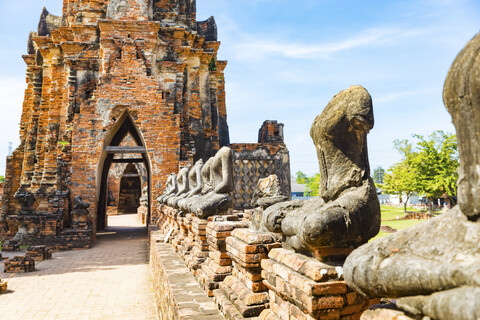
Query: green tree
x=436 y=163
x=401 y=178
x=429 y=167
x=301 y=177
x=313 y=186
x=313 y=183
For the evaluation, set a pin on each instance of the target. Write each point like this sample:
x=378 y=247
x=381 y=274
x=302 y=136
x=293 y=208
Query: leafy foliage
x=428 y=168
x=313 y=183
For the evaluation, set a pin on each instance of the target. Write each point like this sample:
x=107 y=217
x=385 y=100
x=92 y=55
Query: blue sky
x=288 y=58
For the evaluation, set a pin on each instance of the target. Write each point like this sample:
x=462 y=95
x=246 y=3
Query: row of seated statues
x=433 y=268
x=205 y=189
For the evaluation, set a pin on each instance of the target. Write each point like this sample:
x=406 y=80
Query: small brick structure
x=10 y=245
x=19 y=264
x=304 y=288
x=243 y=294
x=39 y=253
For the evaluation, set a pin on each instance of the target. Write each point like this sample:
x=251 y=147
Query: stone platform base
x=305 y=289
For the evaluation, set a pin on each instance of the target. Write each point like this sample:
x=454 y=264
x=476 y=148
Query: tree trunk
x=405 y=205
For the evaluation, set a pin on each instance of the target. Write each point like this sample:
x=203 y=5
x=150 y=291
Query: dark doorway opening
x=130 y=190
x=123 y=147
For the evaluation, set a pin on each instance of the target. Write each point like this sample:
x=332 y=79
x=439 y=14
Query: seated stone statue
x=171 y=188
x=347 y=212
x=435 y=266
x=207 y=186
x=144 y=197
x=219 y=200
x=183 y=187
x=195 y=183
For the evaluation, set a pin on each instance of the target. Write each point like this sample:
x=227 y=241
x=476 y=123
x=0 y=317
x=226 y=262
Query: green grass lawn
x=389 y=218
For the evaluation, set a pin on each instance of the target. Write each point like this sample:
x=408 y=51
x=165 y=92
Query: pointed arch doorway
x=115 y=153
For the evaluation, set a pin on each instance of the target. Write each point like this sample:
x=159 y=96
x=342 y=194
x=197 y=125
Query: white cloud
x=251 y=47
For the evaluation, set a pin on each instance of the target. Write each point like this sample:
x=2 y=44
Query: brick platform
x=243 y=294
x=10 y=245
x=39 y=253
x=303 y=288
x=218 y=265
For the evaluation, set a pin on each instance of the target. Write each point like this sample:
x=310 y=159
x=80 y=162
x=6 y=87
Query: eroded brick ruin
x=113 y=82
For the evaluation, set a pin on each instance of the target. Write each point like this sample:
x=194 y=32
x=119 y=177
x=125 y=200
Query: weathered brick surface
x=301 y=287
x=244 y=289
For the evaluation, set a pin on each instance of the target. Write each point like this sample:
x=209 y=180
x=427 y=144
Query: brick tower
x=110 y=81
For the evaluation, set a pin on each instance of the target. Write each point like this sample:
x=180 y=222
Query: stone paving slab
x=110 y=281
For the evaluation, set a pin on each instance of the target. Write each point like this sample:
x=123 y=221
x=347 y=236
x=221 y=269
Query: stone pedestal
x=218 y=265
x=186 y=245
x=80 y=220
x=243 y=294
x=304 y=288
x=199 y=252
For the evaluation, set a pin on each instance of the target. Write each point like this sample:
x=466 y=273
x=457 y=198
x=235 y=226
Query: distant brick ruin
x=112 y=83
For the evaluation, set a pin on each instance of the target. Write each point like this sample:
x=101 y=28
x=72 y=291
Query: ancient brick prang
x=101 y=72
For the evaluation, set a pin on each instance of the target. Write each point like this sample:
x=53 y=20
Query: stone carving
x=435 y=266
x=171 y=188
x=347 y=212
x=195 y=183
x=219 y=200
x=268 y=193
x=183 y=187
x=80 y=204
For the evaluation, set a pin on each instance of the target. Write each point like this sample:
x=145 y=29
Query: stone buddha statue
x=218 y=200
x=207 y=186
x=183 y=187
x=434 y=267
x=347 y=211
x=171 y=188
x=195 y=183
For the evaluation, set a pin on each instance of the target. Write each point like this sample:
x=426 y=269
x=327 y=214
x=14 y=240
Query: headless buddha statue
x=347 y=212
x=171 y=187
x=195 y=183
x=183 y=187
x=218 y=201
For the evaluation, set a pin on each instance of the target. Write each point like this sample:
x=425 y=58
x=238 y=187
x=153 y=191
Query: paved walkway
x=110 y=281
